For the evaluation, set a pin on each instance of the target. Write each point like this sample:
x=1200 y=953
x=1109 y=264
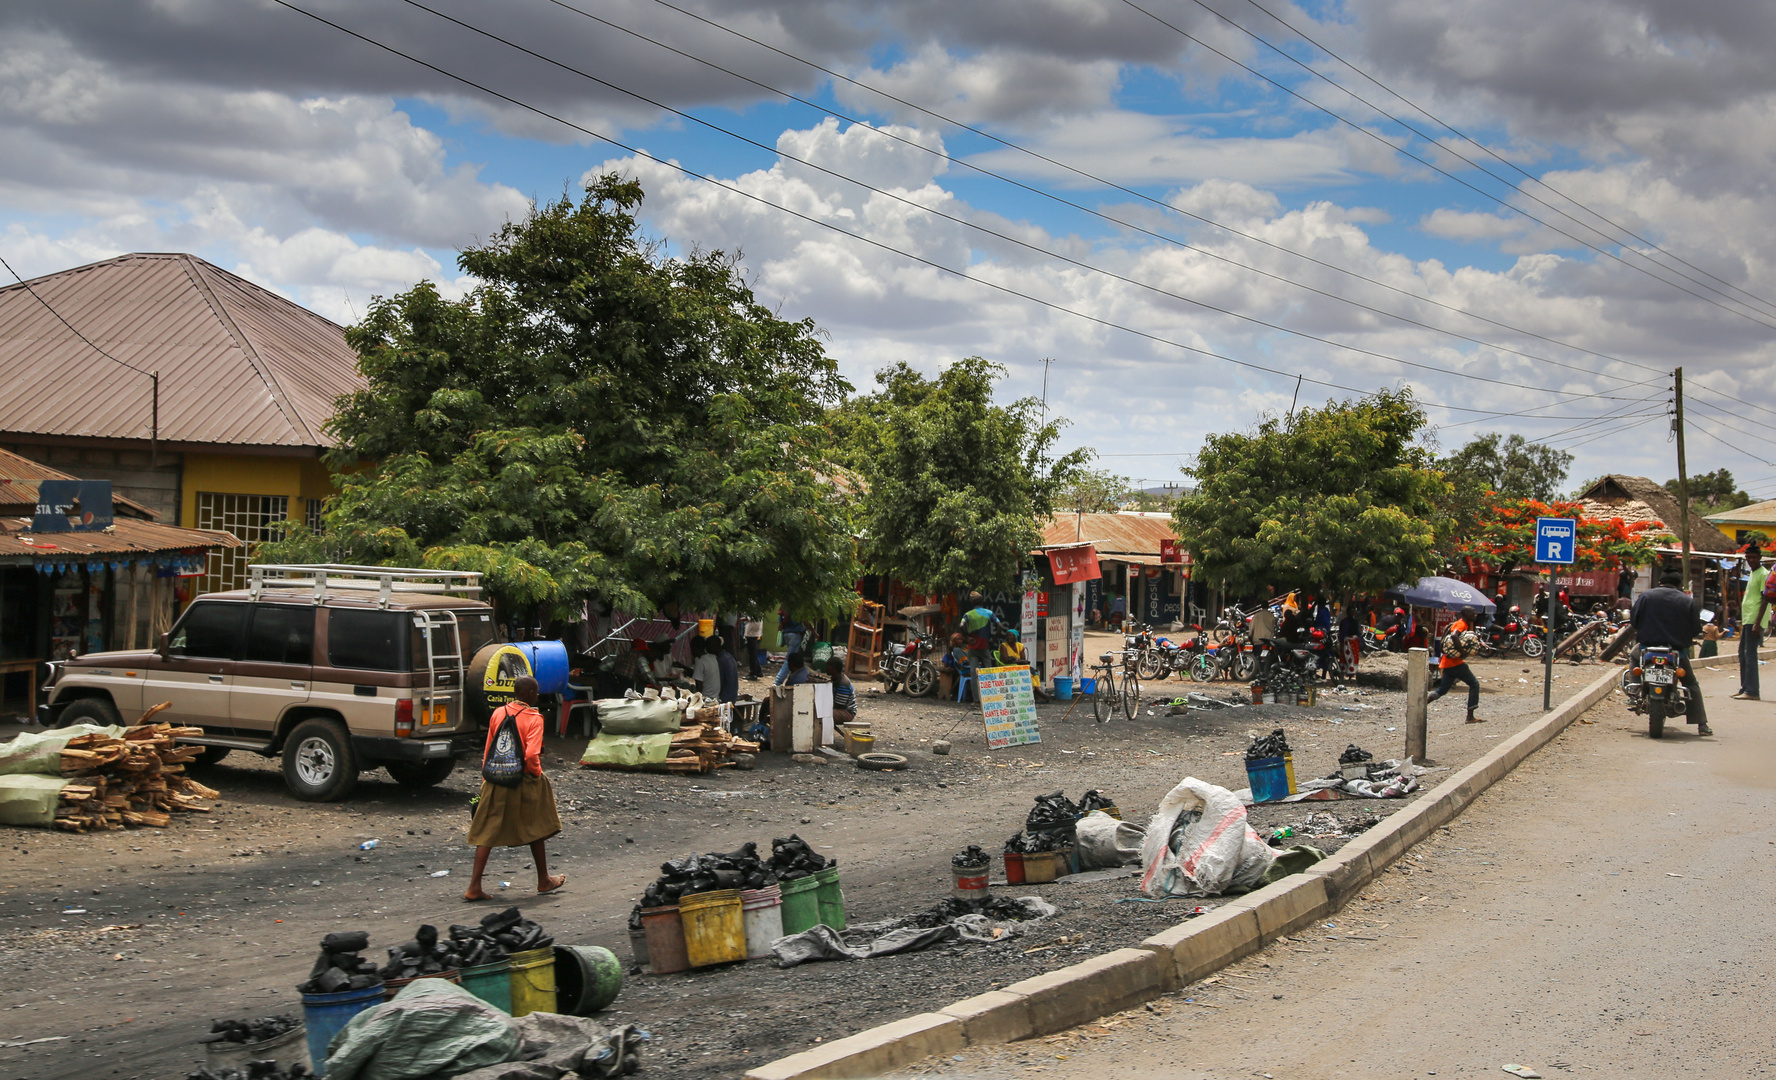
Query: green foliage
x=1510 y=466
x=1096 y=491
x=592 y=421
x=1713 y=492
x=1339 y=499
x=956 y=485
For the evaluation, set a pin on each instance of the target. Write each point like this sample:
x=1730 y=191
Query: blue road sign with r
x=1556 y=540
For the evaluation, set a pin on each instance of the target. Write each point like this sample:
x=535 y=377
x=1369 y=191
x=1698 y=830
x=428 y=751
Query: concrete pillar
x=1418 y=678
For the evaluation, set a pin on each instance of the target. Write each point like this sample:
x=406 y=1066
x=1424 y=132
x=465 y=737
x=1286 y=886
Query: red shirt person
x=521 y=815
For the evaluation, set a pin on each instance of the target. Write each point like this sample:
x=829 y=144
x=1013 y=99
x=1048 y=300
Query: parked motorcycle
x=908 y=667
x=1512 y=632
x=1655 y=687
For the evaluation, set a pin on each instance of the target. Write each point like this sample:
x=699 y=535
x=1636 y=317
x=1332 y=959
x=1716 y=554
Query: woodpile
x=133 y=781
x=702 y=745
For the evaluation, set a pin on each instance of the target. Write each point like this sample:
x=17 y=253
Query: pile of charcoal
x=1276 y=744
x=1034 y=843
x=971 y=858
x=1053 y=812
x=999 y=908
x=255 y=1070
x=1095 y=800
x=793 y=858
x=475 y=945
x=1354 y=755
x=424 y=955
x=339 y=967
x=741 y=869
x=249 y=1031
x=513 y=933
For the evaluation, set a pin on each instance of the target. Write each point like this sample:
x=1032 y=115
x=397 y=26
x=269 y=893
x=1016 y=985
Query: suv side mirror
x=162 y=647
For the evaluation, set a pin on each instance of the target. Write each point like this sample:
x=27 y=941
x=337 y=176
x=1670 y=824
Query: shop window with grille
x=312 y=515
x=250 y=518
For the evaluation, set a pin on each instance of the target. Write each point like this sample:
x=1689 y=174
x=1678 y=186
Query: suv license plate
x=1660 y=676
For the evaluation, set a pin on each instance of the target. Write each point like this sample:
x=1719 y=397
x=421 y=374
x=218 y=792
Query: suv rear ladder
x=428 y=621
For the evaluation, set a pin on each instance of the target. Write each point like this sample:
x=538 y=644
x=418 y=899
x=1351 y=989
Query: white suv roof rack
x=386 y=581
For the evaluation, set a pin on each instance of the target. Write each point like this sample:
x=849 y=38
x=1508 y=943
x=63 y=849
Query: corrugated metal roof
x=127 y=537
x=18 y=487
x=1125 y=533
x=1759 y=515
x=238 y=364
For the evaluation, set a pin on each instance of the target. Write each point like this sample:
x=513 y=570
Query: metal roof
x=18 y=487
x=1759 y=515
x=239 y=365
x=127 y=537
x=1126 y=533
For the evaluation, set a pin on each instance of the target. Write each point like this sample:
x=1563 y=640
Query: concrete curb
x=1067 y=997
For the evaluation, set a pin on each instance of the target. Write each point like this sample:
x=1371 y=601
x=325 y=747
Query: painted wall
x=253 y=474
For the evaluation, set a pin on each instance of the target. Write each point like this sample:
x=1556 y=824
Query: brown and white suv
x=340 y=669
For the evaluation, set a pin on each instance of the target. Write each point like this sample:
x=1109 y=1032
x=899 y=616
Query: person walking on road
x=1667 y=617
x=522 y=815
x=1752 y=613
x=1452 y=665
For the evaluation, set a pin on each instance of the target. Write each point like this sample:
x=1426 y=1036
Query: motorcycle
x=1655 y=687
x=1149 y=658
x=1512 y=634
x=908 y=667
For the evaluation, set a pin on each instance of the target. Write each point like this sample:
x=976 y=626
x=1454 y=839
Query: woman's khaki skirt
x=515 y=816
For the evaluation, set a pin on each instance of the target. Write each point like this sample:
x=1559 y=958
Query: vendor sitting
x=1010 y=651
x=795 y=670
x=844 y=694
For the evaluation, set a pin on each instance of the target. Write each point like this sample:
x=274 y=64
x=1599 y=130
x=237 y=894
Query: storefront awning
x=129 y=540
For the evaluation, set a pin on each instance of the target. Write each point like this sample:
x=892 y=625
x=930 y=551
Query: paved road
x=1603 y=912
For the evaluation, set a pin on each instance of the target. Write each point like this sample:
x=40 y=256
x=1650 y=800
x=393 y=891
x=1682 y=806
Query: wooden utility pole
x=1418 y=684
x=1683 y=476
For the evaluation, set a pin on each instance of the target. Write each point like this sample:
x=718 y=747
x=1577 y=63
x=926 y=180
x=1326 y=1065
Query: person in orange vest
x=521 y=815
x=1452 y=665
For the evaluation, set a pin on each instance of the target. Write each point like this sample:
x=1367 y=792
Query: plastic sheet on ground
x=866 y=941
x=30 y=800
x=612 y=751
x=556 y=1047
x=1104 y=842
x=40 y=753
x=1215 y=850
x=638 y=716
x=431 y=1026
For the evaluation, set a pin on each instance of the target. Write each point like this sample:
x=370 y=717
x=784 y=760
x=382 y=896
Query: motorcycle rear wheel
x=1655 y=718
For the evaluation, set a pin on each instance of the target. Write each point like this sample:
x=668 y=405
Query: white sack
x=1105 y=842
x=1219 y=852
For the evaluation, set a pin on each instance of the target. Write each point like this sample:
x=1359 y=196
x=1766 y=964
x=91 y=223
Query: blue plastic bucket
x=1063 y=688
x=1088 y=687
x=1270 y=779
x=326 y=1014
x=548 y=664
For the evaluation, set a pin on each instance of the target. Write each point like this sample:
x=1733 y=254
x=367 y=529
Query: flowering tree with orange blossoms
x=1504 y=536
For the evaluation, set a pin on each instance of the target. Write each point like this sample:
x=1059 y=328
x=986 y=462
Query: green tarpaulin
x=42 y=753
x=29 y=800
x=627 y=751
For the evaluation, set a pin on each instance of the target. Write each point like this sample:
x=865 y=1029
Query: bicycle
x=1108 y=698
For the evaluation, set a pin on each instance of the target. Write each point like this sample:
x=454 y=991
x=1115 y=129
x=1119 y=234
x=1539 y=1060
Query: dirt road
x=1599 y=913
x=220 y=915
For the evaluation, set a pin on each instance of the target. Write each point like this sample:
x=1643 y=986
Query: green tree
x=1510 y=466
x=594 y=420
x=1340 y=498
x=956 y=486
x=1713 y=492
x=1096 y=491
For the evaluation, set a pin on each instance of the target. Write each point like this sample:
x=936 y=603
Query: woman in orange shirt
x=516 y=816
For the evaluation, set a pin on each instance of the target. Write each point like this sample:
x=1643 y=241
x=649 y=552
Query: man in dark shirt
x=1668 y=617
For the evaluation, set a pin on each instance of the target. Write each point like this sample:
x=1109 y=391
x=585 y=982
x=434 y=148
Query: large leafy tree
x=1713 y=492
x=956 y=486
x=1096 y=491
x=1504 y=537
x=593 y=420
x=1341 y=498
x=1509 y=465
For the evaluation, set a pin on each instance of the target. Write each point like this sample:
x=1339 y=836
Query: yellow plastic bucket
x=705 y=627
x=714 y=927
x=533 y=981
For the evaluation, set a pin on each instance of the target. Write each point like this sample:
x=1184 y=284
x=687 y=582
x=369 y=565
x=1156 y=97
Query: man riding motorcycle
x=1667 y=617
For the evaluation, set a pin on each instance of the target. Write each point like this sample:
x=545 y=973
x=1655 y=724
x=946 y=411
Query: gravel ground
x=219 y=915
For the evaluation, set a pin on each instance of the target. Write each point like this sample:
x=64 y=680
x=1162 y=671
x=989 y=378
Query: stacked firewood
x=703 y=744
x=136 y=780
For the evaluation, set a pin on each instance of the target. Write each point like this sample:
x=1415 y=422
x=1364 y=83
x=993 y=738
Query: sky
x=1173 y=217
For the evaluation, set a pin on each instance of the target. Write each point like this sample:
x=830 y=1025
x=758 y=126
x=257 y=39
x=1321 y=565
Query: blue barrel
x=326 y=1014
x=1270 y=779
x=1063 y=688
x=548 y=664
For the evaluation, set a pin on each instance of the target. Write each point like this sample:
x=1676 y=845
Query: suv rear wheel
x=212 y=755
x=91 y=710
x=420 y=773
x=319 y=764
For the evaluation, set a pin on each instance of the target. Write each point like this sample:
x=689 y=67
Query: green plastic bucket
x=822 y=652
x=832 y=900
x=587 y=978
x=801 y=904
x=491 y=983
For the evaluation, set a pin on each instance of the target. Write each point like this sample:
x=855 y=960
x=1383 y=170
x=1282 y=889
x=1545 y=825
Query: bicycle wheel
x=1153 y=665
x=1131 y=694
x=1104 y=703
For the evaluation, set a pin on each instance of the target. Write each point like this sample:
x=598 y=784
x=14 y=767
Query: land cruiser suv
x=340 y=669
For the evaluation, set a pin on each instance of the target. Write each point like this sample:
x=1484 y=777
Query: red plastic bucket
x=1014 y=868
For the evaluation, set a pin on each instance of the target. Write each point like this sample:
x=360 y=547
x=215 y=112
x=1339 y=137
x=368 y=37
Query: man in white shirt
x=705 y=669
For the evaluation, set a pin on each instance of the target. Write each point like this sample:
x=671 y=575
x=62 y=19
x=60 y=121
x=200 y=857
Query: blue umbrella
x=1443 y=592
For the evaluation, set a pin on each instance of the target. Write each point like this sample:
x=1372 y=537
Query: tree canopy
x=1096 y=491
x=1340 y=498
x=1509 y=465
x=593 y=420
x=1505 y=536
x=956 y=485
x=1713 y=492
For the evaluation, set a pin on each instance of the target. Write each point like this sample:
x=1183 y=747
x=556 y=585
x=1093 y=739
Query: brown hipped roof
x=18 y=487
x=239 y=365
x=1123 y=537
x=1636 y=498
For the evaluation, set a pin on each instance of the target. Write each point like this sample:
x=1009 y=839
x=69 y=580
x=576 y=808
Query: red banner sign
x=1169 y=552
x=1074 y=564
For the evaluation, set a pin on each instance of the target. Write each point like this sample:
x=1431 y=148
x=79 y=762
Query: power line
x=1058 y=199
x=878 y=244
x=1538 y=181
x=965 y=223
x=71 y=329
x=1747 y=315
x=1142 y=196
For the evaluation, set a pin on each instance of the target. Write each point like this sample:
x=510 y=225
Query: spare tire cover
x=488 y=680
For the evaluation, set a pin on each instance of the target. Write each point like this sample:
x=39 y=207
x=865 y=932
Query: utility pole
x=1683 y=476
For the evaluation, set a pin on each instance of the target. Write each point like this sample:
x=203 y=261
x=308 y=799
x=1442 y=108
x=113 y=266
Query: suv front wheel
x=319 y=765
